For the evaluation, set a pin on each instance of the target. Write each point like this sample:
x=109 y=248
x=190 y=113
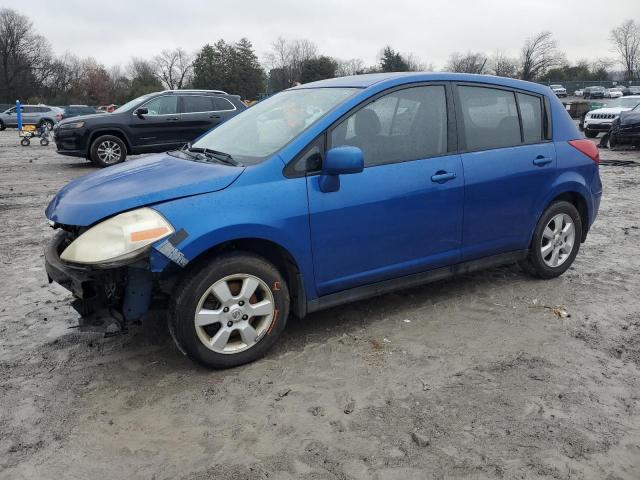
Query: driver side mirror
x=339 y=161
x=141 y=111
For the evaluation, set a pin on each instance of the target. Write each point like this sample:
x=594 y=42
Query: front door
x=159 y=128
x=403 y=213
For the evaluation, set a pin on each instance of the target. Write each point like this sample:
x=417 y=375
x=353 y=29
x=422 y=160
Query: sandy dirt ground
x=476 y=377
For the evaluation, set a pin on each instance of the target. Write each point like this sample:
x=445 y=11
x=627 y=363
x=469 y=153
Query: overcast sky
x=113 y=31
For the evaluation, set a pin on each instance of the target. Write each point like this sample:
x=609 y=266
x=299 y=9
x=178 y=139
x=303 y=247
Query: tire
x=25 y=142
x=47 y=123
x=2 y=126
x=194 y=293
x=590 y=133
x=44 y=142
x=539 y=263
x=107 y=150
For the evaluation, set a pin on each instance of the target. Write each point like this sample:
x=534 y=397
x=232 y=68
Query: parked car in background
x=559 y=90
x=324 y=194
x=633 y=90
x=578 y=93
x=614 y=92
x=594 y=92
x=626 y=129
x=77 y=110
x=601 y=119
x=155 y=122
x=40 y=115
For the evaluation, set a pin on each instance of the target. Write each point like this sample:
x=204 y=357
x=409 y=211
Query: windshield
x=266 y=127
x=131 y=103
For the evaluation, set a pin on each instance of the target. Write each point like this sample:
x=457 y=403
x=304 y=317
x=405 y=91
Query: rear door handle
x=216 y=117
x=172 y=119
x=441 y=176
x=541 y=161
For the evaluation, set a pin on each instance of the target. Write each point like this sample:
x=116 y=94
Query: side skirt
x=380 y=288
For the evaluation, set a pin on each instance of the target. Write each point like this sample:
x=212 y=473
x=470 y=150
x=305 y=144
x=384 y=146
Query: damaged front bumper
x=105 y=298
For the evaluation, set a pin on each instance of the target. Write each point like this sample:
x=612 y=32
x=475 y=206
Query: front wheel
x=108 y=150
x=44 y=142
x=230 y=310
x=48 y=124
x=590 y=133
x=25 y=142
x=556 y=241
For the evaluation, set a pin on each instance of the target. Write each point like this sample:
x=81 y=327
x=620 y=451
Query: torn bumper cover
x=102 y=296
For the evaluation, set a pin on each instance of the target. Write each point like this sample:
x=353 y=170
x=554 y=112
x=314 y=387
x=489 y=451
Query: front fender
x=275 y=211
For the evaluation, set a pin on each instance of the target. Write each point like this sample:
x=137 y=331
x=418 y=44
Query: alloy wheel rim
x=558 y=239
x=109 y=152
x=234 y=313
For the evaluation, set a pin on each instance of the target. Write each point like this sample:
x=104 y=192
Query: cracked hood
x=134 y=184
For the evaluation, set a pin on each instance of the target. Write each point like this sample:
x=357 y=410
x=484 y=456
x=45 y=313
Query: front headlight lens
x=119 y=238
x=69 y=126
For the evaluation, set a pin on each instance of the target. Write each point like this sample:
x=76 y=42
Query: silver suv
x=31 y=114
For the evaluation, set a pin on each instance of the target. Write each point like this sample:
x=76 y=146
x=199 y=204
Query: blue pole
x=19 y=114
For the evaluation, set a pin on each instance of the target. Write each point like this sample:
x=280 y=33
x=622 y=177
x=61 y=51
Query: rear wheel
x=556 y=241
x=229 y=311
x=108 y=150
x=47 y=123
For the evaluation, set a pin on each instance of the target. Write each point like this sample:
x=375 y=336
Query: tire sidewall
x=183 y=309
x=542 y=269
x=94 y=150
x=2 y=126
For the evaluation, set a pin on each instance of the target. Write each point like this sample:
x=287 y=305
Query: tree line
x=31 y=72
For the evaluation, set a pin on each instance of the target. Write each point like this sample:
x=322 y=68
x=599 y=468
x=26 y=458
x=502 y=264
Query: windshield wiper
x=220 y=156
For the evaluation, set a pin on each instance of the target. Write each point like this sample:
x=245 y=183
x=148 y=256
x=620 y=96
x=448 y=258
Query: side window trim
x=546 y=115
x=226 y=100
x=290 y=171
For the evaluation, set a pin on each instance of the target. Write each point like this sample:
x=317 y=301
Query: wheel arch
x=271 y=251
x=576 y=196
x=116 y=132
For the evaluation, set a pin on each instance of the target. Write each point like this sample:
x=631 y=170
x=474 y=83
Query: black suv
x=152 y=123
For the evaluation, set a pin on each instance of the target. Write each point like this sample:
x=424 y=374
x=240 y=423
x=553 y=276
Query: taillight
x=588 y=148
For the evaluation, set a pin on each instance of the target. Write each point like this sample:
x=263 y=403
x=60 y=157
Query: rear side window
x=407 y=124
x=490 y=118
x=222 y=104
x=531 y=114
x=195 y=104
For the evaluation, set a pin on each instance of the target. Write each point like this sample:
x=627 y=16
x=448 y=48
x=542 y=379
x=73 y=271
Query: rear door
x=509 y=165
x=159 y=128
x=198 y=116
x=403 y=213
x=30 y=115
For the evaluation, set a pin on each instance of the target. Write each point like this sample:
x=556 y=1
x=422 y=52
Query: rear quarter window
x=531 y=113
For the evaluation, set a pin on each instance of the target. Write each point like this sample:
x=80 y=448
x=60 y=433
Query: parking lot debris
x=283 y=394
x=420 y=440
x=316 y=411
x=559 y=311
x=350 y=407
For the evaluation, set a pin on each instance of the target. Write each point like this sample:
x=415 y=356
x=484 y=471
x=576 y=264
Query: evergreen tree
x=392 y=61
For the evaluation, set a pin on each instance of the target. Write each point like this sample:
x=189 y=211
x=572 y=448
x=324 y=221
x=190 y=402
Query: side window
x=222 y=104
x=165 y=105
x=531 y=114
x=195 y=104
x=490 y=118
x=29 y=109
x=309 y=161
x=407 y=124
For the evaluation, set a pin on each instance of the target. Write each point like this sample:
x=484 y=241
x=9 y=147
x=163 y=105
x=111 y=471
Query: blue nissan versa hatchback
x=323 y=194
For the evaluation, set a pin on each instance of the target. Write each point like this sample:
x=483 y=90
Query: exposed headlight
x=72 y=125
x=119 y=238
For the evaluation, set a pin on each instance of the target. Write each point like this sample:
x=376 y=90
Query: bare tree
x=24 y=56
x=285 y=61
x=626 y=43
x=539 y=54
x=503 y=66
x=352 y=66
x=467 y=63
x=174 y=68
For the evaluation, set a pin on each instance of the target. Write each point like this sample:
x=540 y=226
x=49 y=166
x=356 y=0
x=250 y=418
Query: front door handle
x=216 y=117
x=441 y=176
x=541 y=161
x=172 y=119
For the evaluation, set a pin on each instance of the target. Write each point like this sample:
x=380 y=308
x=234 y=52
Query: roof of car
x=370 y=79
